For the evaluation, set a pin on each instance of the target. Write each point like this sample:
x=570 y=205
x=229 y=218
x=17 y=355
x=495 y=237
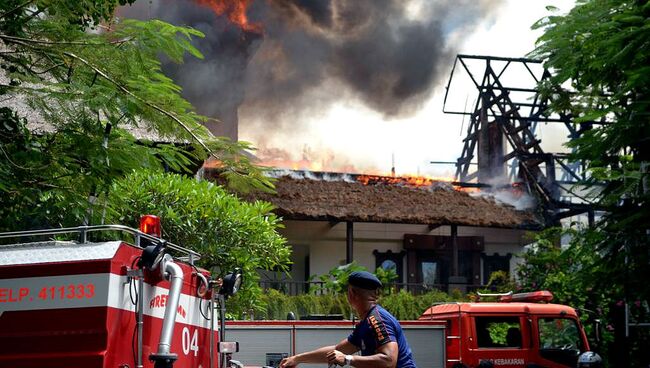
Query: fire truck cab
x=516 y=331
x=101 y=304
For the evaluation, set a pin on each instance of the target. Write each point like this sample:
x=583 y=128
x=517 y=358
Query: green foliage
x=572 y=273
x=331 y=297
x=202 y=216
x=600 y=50
x=92 y=80
x=278 y=305
x=336 y=280
x=403 y=305
x=498 y=332
x=47 y=179
x=387 y=278
x=500 y=282
x=90 y=88
x=15 y=14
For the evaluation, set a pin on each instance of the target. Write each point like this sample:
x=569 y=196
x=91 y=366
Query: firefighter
x=378 y=336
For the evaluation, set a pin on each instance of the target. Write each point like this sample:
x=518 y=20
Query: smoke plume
x=297 y=57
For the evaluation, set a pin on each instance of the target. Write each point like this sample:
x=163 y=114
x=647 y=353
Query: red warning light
x=150 y=224
x=543 y=296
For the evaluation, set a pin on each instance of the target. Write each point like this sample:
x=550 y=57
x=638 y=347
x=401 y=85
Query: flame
x=276 y=158
x=410 y=181
x=368 y=178
x=235 y=10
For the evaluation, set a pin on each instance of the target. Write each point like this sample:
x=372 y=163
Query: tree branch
x=19 y=166
x=16 y=9
x=26 y=41
x=147 y=103
x=23 y=40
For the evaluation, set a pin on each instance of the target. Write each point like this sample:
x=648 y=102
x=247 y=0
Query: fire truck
x=519 y=330
x=515 y=330
x=144 y=304
x=110 y=304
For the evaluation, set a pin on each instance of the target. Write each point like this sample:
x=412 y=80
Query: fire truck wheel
x=459 y=365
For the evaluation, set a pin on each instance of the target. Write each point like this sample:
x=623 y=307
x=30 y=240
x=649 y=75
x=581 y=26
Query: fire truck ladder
x=509 y=105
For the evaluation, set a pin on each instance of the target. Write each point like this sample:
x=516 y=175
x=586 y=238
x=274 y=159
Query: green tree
x=600 y=51
x=91 y=79
x=570 y=273
x=202 y=216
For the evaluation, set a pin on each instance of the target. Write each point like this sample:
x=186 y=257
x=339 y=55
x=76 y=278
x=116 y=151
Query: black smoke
x=312 y=53
x=214 y=85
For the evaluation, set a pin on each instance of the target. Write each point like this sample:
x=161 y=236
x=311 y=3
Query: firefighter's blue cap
x=364 y=280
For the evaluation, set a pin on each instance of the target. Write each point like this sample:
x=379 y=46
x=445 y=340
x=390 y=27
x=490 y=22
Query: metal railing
x=294 y=287
x=83 y=232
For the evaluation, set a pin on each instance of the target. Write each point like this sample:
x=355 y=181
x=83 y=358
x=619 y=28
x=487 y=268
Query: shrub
x=202 y=216
x=403 y=305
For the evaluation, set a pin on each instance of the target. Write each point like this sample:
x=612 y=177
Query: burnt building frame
x=502 y=135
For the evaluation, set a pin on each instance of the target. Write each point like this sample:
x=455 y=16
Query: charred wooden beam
x=349 y=241
x=454 y=250
x=464 y=184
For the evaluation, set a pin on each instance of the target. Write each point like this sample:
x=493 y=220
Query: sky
x=349 y=136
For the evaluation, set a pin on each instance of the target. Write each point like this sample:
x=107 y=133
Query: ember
x=235 y=10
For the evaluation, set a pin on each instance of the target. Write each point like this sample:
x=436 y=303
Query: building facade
x=438 y=238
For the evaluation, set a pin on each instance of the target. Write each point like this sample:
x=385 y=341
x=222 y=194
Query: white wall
x=326 y=242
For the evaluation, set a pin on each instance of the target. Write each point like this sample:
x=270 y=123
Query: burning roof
x=346 y=197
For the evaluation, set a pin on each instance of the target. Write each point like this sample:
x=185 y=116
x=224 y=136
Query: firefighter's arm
x=346 y=347
x=386 y=357
x=316 y=356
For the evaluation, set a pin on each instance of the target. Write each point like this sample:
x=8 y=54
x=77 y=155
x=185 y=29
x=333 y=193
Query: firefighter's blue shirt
x=379 y=328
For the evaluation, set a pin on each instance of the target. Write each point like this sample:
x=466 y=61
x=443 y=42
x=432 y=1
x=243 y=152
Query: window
x=494 y=263
x=498 y=332
x=430 y=273
x=559 y=340
x=389 y=260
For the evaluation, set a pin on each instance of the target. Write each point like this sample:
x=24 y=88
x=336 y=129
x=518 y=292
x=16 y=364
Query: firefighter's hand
x=335 y=357
x=289 y=362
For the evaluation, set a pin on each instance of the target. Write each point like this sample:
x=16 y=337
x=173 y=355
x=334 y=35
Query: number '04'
x=190 y=344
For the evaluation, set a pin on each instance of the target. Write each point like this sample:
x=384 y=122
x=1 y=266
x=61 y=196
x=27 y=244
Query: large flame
x=324 y=163
x=235 y=10
x=414 y=181
x=366 y=177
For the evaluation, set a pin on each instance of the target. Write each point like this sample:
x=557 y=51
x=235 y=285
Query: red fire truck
x=520 y=330
x=517 y=330
x=109 y=303
x=119 y=305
